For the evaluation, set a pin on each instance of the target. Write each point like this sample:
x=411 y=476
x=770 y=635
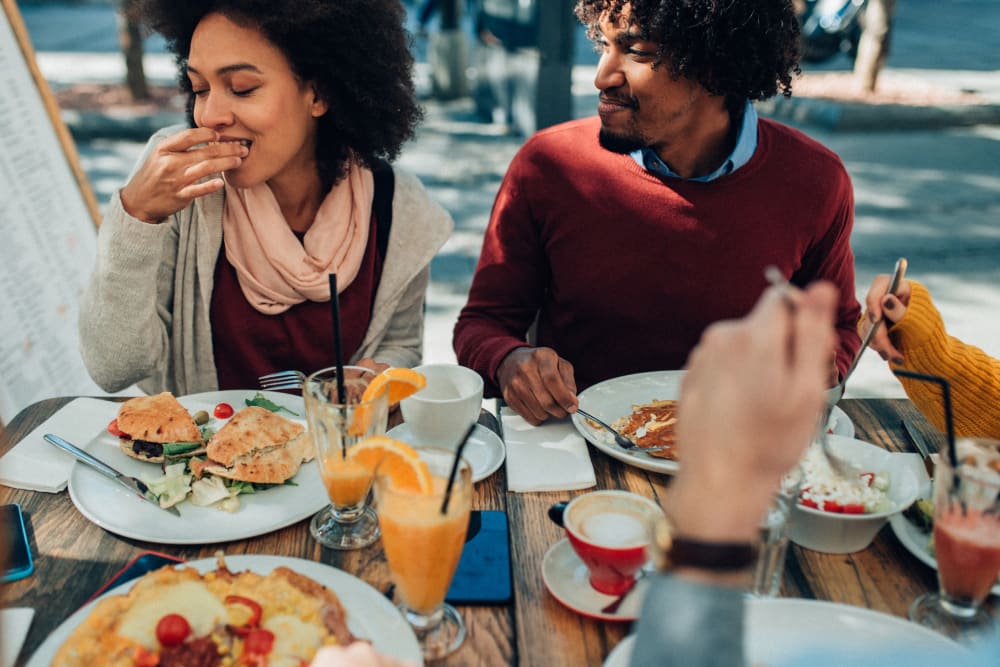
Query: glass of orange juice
x=348 y=522
x=966 y=543
x=423 y=544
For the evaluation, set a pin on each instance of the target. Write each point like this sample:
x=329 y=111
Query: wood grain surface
x=74 y=557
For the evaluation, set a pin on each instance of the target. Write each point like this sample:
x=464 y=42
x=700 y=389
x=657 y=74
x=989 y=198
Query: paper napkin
x=14 y=624
x=36 y=465
x=550 y=457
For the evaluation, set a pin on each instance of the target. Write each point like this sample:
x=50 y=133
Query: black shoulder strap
x=385 y=186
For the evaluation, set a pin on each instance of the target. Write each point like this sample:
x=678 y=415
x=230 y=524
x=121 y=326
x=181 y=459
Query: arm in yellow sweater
x=974 y=375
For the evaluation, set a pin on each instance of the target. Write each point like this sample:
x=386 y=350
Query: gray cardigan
x=144 y=316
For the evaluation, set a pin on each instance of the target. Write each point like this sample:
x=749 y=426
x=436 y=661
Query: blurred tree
x=873 y=48
x=130 y=41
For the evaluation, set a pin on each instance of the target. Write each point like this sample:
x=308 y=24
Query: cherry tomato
x=223 y=411
x=854 y=508
x=172 y=630
x=114 y=430
x=259 y=641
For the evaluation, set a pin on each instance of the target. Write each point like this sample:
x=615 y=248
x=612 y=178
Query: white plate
x=840 y=423
x=568 y=581
x=485 y=450
x=614 y=398
x=369 y=614
x=113 y=508
x=793 y=631
x=916 y=542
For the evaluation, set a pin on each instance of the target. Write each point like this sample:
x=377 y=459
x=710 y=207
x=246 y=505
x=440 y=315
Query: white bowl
x=834 y=533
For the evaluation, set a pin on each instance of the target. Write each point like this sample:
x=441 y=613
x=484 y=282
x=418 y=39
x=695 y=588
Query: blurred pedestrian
x=873 y=47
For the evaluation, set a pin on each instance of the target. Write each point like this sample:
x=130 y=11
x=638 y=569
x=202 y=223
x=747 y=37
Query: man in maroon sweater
x=627 y=234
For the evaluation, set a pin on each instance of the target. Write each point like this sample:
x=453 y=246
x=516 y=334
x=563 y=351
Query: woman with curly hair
x=630 y=232
x=213 y=260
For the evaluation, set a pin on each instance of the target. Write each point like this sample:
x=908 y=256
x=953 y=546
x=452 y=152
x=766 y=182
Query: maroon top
x=248 y=343
x=625 y=270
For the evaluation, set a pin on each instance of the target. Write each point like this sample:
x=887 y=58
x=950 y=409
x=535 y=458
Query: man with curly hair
x=214 y=258
x=623 y=236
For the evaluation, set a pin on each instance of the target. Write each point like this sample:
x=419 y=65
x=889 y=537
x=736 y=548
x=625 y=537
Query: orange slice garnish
x=402 y=464
x=398 y=382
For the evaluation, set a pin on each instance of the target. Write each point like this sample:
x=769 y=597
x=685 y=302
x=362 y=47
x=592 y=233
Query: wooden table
x=74 y=557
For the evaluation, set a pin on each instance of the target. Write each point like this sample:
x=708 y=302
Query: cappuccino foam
x=614 y=529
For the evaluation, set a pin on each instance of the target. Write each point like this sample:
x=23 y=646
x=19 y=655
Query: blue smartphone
x=19 y=563
x=483 y=576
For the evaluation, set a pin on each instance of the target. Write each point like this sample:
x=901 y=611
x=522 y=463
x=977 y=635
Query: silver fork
x=282 y=380
x=621 y=440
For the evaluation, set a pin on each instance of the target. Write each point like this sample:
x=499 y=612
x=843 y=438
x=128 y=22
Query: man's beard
x=620 y=143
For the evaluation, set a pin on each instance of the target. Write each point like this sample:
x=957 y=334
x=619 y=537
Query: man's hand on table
x=537 y=383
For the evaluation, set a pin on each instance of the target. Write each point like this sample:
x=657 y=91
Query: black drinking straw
x=338 y=351
x=948 y=419
x=454 y=467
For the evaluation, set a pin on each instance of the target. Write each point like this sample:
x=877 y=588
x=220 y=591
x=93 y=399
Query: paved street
x=932 y=196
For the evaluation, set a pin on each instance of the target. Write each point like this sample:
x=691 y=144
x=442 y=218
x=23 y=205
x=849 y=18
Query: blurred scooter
x=830 y=27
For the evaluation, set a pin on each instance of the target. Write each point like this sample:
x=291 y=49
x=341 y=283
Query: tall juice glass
x=347 y=522
x=423 y=546
x=967 y=548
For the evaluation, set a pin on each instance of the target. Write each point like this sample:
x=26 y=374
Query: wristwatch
x=671 y=551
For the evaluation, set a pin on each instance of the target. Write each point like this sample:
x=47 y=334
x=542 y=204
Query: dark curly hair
x=739 y=49
x=356 y=51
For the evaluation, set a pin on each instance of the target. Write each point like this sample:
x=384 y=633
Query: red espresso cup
x=610 y=531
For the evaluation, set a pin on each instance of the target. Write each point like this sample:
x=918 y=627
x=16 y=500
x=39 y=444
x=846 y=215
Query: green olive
x=200 y=417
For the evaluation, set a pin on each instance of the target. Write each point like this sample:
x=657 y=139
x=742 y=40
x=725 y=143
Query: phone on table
x=483 y=575
x=145 y=562
x=19 y=563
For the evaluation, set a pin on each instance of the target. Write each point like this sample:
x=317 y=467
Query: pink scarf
x=275 y=270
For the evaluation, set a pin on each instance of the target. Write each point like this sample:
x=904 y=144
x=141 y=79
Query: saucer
x=567 y=579
x=485 y=450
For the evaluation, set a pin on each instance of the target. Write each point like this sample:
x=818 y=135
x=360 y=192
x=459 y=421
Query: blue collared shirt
x=746 y=145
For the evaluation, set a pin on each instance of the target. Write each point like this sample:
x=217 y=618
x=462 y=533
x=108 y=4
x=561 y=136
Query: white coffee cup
x=439 y=414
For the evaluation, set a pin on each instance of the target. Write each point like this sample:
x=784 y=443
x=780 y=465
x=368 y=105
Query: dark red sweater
x=625 y=270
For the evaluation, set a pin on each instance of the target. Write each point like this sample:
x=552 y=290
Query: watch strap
x=672 y=551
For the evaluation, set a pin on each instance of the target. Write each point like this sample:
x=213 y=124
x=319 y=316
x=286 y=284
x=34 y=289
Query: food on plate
x=826 y=490
x=254 y=450
x=258 y=446
x=921 y=514
x=177 y=616
x=223 y=411
x=651 y=425
x=261 y=401
x=152 y=428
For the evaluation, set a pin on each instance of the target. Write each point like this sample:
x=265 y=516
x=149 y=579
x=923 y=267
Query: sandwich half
x=157 y=426
x=258 y=446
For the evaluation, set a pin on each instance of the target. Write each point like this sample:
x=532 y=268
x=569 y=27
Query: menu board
x=48 y=235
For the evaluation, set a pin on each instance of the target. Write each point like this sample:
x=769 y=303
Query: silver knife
x=136 y=486
x=920 y=444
